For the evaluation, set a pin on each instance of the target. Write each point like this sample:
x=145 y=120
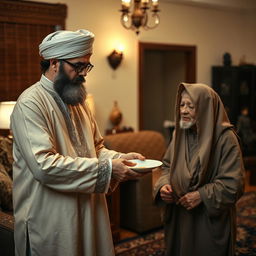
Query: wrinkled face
x=187 y=111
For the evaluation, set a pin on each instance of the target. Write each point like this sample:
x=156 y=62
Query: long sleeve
x=165 y=176
x=227 y=183
x=35 y=140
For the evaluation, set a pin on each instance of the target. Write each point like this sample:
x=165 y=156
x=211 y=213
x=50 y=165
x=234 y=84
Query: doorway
x=162 y=68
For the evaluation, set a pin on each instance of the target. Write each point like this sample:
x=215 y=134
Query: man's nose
x=83 y=73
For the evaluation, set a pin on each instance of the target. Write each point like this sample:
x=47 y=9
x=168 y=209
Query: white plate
x=146 y=165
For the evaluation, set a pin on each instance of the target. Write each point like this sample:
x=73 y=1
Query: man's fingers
x=133 y=155
x=133 y=173
x=139 y=156
x=128 y=163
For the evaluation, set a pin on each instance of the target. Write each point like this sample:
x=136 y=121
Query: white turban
x=65 y=44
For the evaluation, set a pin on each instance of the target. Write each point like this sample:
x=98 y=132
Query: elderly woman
x=202 y=177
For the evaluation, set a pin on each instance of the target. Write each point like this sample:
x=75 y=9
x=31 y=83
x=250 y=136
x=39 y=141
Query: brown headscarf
x=211 y=122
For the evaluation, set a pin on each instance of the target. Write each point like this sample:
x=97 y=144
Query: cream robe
x=60 y=180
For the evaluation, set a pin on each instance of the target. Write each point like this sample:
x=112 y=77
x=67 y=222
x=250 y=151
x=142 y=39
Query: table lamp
x=6 y=108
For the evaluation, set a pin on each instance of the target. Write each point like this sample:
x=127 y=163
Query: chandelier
x=136 y=16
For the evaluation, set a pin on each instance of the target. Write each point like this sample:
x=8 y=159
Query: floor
x=125 y=234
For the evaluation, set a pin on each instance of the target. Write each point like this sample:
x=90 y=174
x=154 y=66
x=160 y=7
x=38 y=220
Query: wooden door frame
x=190 y=60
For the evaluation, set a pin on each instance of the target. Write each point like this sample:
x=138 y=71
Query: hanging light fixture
x=136 y=16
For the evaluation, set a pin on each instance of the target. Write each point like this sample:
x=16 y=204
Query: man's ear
x=54 y=64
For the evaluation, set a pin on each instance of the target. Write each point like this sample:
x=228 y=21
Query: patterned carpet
x=152 y=244
x=246 y=225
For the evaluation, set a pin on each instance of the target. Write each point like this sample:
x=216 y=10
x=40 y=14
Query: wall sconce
x=6 y=108
x=115 y=58
x=139 y=15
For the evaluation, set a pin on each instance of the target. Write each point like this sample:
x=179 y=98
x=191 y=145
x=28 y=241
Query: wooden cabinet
x=236 y=86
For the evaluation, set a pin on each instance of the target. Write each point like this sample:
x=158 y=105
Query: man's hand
x=133 y=155
x=167 y=194
x=121 y=171
x=190 y=200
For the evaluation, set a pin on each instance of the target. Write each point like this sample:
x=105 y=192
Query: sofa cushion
x=5 y=190
x=137 y=209
x=150 y=143
x=6 y=161
x=6 y=158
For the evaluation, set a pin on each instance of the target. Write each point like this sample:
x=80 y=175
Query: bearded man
x=61 y=169
x=202 y=177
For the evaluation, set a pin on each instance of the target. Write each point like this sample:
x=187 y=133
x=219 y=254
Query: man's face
x=69 y=81
x=77 y=66
x=187 y=111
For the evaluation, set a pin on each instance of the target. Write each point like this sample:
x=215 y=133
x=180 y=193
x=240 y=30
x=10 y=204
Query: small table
x=119 y=130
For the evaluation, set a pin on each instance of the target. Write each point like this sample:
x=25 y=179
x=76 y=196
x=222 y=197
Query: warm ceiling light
x=135 y=14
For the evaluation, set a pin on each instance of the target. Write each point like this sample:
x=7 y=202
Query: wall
x=213 y=31
x=163 y=70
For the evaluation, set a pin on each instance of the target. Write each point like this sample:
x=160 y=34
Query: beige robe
x=209 y=161
x=61 y=174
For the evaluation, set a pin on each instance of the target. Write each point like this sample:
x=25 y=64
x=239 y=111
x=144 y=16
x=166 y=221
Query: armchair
x=137 y=211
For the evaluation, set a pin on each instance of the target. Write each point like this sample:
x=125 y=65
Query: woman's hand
x=190 y=200
x=167 y=194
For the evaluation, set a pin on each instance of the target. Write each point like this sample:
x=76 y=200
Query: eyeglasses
x=80 y=67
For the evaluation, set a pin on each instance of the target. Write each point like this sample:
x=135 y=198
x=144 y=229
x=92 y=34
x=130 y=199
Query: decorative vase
x=115 y=116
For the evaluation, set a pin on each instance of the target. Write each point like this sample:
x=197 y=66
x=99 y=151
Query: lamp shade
x=6 y=108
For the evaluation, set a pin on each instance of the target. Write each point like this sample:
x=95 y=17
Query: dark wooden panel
x=29 y=12
x=236 y=87
x=23 y=26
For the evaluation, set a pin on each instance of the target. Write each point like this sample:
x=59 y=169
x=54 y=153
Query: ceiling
x=238 y=5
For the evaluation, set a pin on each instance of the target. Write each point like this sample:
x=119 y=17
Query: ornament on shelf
x=115 y=118
x=227 y=61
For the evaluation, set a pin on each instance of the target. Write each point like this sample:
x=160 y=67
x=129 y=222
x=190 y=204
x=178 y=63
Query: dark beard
x=71 y=91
